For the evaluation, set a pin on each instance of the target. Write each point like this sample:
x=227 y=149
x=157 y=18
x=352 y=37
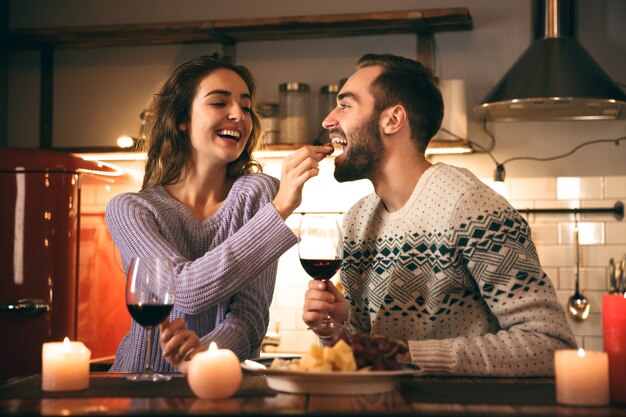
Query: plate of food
x=336 y=382
x=333 y=371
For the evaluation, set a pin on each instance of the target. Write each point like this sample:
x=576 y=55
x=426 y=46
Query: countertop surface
x=112 y=394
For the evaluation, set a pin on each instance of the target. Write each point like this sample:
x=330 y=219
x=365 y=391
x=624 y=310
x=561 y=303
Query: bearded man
x=433 y=256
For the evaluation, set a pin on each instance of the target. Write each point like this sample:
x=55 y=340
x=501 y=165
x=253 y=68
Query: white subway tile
x=555 y=256
x=616 y=233
x=590 y=278
x=563 y=296
x=544 y=233
x=615 y=187
x=533 y=188
x=588 y=233
x=297 y=341
x=522 y=204
x=550 y=204
x=568 y=188
x=576 y=188
x=598 y=204
x=288 y=298
x=592 y=326
x=290 y=272
x=591 y=187
x=599 y=255
x=286 y=318
x=593 y=343
x=553 y=217
x=502 y=188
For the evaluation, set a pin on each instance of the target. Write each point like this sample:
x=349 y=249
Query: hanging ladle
x=577 y=306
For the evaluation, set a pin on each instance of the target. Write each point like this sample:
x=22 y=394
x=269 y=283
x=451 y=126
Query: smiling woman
x=206 y=206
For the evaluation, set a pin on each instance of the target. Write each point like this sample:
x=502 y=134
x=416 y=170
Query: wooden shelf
x=231 y=31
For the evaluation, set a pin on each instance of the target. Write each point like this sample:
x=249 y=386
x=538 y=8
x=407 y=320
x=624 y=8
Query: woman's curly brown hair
x=169 y=147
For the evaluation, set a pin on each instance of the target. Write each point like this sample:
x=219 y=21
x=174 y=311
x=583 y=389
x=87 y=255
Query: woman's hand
x=179 y=344
x=297 y=169
x=322 y=297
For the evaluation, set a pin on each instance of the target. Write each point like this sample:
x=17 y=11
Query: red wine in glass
x=320 y=249
x=149 y=315
x=321 y=269
x=150 y=298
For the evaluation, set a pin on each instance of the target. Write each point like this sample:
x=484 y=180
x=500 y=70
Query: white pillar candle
x=215 y=373
x=64 y=366
x=582 y=378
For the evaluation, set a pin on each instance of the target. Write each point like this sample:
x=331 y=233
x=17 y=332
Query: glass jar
x=328 y=102
x=268 y=116
x=294 y=100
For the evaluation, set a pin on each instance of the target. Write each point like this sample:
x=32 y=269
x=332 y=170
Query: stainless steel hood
x=555 y=79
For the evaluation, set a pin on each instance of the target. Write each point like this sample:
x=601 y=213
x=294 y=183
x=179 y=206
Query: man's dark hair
x=408 y=83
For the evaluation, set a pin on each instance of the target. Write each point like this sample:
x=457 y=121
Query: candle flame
x=212 y=347
x=581 y=353
x=67 y=346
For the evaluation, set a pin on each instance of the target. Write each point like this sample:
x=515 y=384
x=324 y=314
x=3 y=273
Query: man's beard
x=365 y=154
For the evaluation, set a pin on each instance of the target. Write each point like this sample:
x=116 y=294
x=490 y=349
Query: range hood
x=556 y=78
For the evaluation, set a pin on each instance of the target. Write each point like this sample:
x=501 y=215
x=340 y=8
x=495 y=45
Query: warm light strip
x=118 y=171
x=114 y=156
x=447 y=151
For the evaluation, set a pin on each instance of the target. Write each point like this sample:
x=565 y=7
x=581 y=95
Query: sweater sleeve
x=494 y=247
x=220 y=272
x=247 y=320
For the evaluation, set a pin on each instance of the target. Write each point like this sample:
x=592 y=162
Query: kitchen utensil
x=621 y=280
x=578 y=306
x=613 y=277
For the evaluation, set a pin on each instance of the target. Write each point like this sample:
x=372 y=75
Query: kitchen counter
x=111 y=394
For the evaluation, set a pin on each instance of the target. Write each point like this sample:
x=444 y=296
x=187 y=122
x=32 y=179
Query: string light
x=500 y=172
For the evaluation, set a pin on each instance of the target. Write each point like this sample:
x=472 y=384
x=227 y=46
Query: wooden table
x=111 y=394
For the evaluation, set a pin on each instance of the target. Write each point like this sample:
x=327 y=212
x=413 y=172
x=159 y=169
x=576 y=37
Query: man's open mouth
x=339 y=144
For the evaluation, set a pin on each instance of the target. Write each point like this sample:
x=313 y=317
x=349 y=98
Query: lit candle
x=582 y=378
x=64 y=366
x=614 y=331
x=215 y=373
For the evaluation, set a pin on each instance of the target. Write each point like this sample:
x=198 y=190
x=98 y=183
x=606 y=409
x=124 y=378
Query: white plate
x=335 y=383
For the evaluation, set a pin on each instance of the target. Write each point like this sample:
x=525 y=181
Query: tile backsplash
x=601 y=237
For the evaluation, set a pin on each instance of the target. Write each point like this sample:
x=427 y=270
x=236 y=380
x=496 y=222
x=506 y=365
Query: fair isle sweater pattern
x=456 y=273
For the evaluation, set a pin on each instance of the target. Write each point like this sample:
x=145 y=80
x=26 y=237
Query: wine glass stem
x=149 y=369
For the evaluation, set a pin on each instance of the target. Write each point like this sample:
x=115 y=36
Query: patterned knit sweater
x=225 y=264
x=456 y=273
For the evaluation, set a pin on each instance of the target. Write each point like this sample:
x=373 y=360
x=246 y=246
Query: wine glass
x=150 y=298
x=320 y=248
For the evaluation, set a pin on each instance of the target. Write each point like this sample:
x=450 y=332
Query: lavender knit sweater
x=225 y=264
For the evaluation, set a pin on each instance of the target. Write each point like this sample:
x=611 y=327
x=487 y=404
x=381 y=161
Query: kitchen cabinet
x=228 y=33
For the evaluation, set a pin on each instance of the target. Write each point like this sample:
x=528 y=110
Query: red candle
x=614 y=329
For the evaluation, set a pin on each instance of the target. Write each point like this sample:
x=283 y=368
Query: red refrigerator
x=44 y=293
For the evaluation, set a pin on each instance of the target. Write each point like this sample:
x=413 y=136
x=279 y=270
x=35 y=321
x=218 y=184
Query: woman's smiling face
x=220 y=122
